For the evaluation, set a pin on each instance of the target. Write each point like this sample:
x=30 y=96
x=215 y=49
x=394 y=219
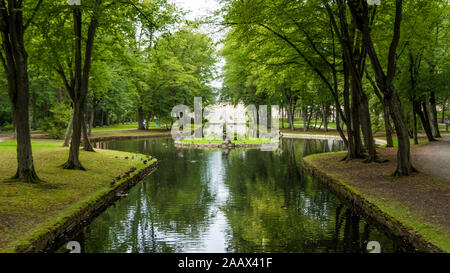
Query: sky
x=200 y=8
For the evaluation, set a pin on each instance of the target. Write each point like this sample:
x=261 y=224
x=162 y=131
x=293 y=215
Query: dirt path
x=4 y=137
x=324 y=136
x=434 y=158
x=421 y=201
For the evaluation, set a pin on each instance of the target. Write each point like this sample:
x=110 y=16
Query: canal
x=230 y=201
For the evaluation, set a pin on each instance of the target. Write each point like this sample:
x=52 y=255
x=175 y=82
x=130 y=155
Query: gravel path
x=434 y=158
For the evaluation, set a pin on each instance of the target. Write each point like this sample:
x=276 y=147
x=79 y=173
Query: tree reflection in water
x=229 y=201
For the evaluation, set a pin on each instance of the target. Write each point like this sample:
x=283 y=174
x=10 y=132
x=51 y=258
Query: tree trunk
x=360 y=13
x=73 y=162
x=290 y=115
x=387 y=126
x=352 y=153
x=68 y=135
x=366 y=126
x=78 y=92
x=102 y=118
x=34 y=105
x=416 y=140
x=423 y=115
x=433 y=115
x=91 y=121
x=25 y=166
x=59 y=94
x=404 y=165
x=15 y=62
x=339 y=129
x=141 y=119
x=87 y=146
x=355 y=119
x=325 y=117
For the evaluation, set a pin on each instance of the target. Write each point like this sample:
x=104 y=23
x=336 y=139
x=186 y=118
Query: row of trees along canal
x=110 y=61
x=101 y=61
x=367 y=63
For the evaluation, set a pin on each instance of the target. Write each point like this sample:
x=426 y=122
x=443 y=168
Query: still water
x=229 y=201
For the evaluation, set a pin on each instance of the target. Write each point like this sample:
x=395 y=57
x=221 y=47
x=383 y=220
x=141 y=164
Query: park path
x=4 y=137
x=434 y=158
x=325 y=137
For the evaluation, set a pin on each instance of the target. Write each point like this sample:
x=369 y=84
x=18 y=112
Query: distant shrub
x=7 y=127
x=55 y=125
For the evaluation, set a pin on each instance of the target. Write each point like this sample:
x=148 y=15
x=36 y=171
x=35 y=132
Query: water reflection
x=229 y=201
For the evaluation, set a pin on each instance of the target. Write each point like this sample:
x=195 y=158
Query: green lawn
x=127 y=126
x=129 y=133
x=287 y=131
x=219 y=141
x=27 y=210
x=422 y=141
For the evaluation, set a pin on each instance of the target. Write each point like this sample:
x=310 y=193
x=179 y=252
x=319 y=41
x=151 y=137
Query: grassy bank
x=218 y=141
x=128 y=133
x=129 y=126
x=29 y=210
x=418 y=202
x=311 y=132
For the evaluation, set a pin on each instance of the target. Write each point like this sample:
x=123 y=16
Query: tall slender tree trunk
x=87 y=146
x=59 y=93
x=423 y=115
x=141 y=119
x=416 y=140
x=290 y=115
x=404 y=164
x=73 y=162
x=387 y=122
x=433 y=115
x=325 y=117
x=360 y=13
x=340 y=129
x=34 y=105
x=68 y=134
x=78 y=92
x=356 y=124
x=366 y=126
x=91 y=121
x=352 y=152
x=387 y=126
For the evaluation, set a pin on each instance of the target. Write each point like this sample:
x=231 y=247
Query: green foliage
x=56 y=124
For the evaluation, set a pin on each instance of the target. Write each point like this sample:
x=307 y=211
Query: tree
x=14 y=59
x=360 y=12
x=74 y=52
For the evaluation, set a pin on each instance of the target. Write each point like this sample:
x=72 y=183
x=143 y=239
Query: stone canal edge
x=58 y=233
x=382 y=219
